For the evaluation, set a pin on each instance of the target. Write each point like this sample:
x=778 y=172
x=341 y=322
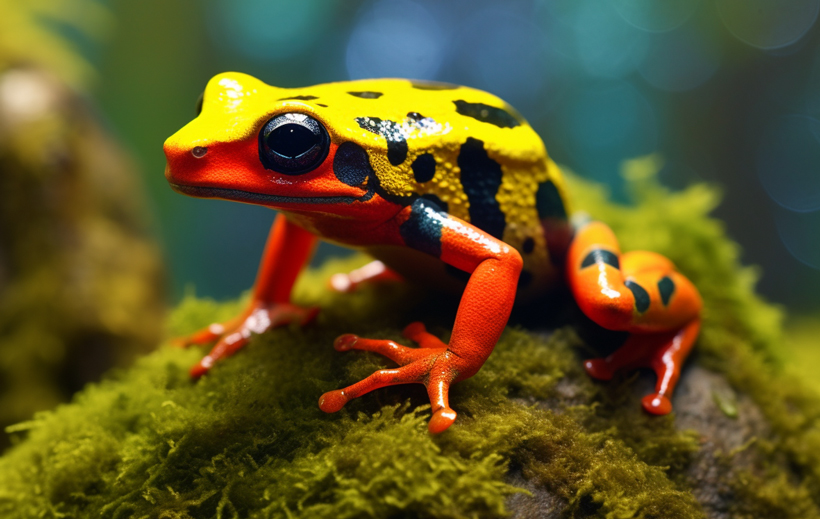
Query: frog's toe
x=599 y=369
x=441 y=420
x=332 y=401
x=657 y=404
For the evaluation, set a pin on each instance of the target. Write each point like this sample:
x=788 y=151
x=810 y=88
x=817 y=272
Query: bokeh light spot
x=768 y=24
x=395 y=39
x=606 y=45
x=607 y=124
x=656 y=15
x=268 y=30
x=788 y=162
x=800 y=234
x=504 y=53
x=680 y=60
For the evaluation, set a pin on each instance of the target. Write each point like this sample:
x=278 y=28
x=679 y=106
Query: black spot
x=298 y=98
x=524 y=279
x=433 y=85
x=414 y=116
x=424 y=168
x=481 y=178
x=422 y=231
x=320 y=104
x=366 y=94
x=351 y=164
x=529 y=245
x=457 y=273
x=548 y=201
x=641 y=296
x=442 y=205
x=601 y=256
x=393 y=134
x=666 y=287
x=487 y=114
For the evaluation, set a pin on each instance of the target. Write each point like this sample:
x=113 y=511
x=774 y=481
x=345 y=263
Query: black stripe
x=487 y=114
x=481 y=178
x=422 y=231
x=601 y=256
x=641 y=296
x=393 y=134
x=666 y=287
x=548 y=201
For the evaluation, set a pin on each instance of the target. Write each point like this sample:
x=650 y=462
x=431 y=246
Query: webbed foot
x=232 y=335
x=431 y=364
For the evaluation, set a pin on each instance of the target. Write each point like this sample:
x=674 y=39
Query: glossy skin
x=444 y=184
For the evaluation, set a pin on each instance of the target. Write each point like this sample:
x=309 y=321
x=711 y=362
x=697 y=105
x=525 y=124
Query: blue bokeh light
x=788 y=162
x=656 y=15
x=608 y=123
x=680 y=60
x=503 y=52
x=800 y=234
x=768 y=24
x=606 y=45
x=268 y=30
x=396 y=38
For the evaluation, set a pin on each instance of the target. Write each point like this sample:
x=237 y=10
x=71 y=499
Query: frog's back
x=465 y=149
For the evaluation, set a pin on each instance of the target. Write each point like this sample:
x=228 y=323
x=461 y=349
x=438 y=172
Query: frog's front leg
x=639 y=292
x=482 y=314
x=287 y=250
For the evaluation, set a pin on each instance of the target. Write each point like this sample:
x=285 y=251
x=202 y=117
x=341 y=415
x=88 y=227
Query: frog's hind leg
x=641 y=293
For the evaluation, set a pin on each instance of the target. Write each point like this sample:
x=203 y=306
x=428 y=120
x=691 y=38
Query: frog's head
x=264 y=145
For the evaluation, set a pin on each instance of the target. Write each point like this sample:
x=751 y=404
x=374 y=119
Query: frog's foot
x=373 y=272
x=663 y=352
x=232 y=335
x=432 y=364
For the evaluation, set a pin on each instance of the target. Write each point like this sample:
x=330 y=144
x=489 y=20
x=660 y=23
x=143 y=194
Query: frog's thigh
x=637 y=292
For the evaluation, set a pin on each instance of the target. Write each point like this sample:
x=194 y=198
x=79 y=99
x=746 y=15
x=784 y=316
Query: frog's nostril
x=199 y=152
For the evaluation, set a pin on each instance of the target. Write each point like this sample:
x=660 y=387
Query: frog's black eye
x=199 y=103
x=293 y=144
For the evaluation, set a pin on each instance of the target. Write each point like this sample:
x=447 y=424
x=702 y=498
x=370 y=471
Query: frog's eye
x=293 y=144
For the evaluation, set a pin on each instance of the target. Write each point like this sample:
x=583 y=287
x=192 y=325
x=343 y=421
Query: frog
x=441 y=184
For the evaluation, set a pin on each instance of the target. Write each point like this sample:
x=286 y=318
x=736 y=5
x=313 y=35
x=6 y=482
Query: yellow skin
x=236 y=105
x=447 y=185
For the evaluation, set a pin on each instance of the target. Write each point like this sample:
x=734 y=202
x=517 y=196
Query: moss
x=248 y=440
x=80 y=281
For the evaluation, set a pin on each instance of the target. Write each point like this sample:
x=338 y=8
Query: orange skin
x=637 y=292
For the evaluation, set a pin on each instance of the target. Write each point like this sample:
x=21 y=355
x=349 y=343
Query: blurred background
x=727 y=91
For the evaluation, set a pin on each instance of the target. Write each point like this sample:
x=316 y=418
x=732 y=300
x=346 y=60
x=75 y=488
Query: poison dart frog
x=440 y=183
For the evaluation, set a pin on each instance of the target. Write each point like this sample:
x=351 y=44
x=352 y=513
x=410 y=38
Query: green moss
x=248 y=440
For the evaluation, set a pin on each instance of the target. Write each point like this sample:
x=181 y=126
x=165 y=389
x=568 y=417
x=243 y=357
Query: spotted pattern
x=487 y=114
x=422 y=231
x=298 y=98
x=392 y=132
x=601 y=256
x=366 y=94
x=481 y=178
x=424 y=168
x=351 y=164
x=640 y=294
x=666 y=287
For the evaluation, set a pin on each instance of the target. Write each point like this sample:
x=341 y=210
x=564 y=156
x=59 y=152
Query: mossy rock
x=535 y=437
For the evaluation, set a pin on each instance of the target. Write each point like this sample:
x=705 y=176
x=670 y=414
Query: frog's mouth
x=266 y=199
